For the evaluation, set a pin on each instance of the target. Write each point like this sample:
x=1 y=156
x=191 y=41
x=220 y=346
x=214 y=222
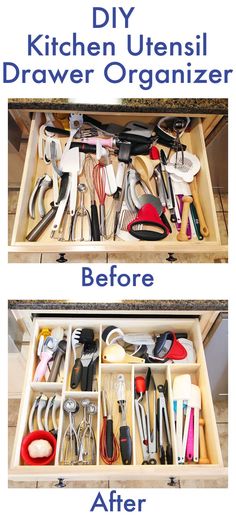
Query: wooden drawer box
x=199 y=375
x=34 y=168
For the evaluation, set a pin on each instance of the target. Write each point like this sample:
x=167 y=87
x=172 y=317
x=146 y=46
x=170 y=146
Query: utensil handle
x=196 y=435
x=189 y=450
x=42 y=225
x=95 y=223
x=109 y=438
x=203 y=450
x=179 y=429
x=55 y=367
x=203 y=226
x=125 y=445
x=186 y=429
x=75 y=375
x=42 y=366
x=102 y=220
x=182 y=235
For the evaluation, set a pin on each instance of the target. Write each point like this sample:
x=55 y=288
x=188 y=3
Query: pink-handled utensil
x=190 y=440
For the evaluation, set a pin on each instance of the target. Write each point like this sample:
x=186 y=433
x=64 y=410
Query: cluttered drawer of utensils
x=123 y=398
x=146 y=186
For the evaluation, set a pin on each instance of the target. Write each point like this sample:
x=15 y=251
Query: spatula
x=197 y=407
x=191 y=404
x=181 y=392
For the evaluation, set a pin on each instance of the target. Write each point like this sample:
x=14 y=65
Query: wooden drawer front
x=136 y=470
x=34 y=167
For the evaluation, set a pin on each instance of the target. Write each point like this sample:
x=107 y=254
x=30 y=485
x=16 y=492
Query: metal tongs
x=147 y=427
x=165 y=455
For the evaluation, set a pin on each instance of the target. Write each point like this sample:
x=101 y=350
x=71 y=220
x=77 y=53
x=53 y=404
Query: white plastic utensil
x=187 y=170
x=116 y=353
x=181 y=393
x=197 y=407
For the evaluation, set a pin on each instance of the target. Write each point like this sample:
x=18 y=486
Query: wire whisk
x=99 y=181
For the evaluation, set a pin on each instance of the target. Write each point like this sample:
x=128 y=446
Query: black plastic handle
x=75 y=375
x=109 y=438
x=84 y=147
x=162 y=455
x=148 y=235
x=84 y=378
x=90 y=373
x=125 y=445
x=169 y=454
x=95 y=223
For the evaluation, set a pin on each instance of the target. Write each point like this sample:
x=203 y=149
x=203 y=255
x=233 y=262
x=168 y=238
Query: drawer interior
x=35 y=167
x=106 y=377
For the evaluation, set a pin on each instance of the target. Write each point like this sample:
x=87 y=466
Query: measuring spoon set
x=133 y=186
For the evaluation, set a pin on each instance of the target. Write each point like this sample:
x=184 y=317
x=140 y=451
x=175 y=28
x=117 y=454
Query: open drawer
x=35 y=167
x=104 y=376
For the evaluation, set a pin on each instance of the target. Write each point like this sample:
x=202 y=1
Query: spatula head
x=182 y=387
x=195 y=398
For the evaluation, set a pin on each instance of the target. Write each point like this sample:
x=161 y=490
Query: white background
x=161 y=20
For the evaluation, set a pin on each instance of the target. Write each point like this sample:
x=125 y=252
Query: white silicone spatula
x=181 y=393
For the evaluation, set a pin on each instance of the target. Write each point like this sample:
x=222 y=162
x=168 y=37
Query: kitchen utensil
x=160 y=184
x=38 y=435
x=89 y=164
x=147 y=427
x=190 y=439
x=87 y=447
x=140 y=388
x=99 y=181
x=48 y=349
x=125 y=440
x=109 y=447
x=185 y=170
x=69 y=446
x=195 y=221
x=112 y=334
x=116 y=353
x=182 y=235
x=36 y=232
x=32 y=414
x=195 y=194
x=59 y=355
x=79 y=337
x=82 y=215
x=148 y=216
x=42 y=403
x=193 y=401
x=42 y=185
x=181 y=392
x=123 y=161
x=167 y=346
x=166 y=455
x=132 y=183
x=197 y=407
x=144 y=166
x=191 y=356
x=84 y=422
x=203 y=450
x=170 y=198
x=110 y=184
x=156 y=202
x=64 y=194
x=54 y=403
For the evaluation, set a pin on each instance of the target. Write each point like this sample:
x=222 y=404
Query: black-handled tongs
x=163 y=426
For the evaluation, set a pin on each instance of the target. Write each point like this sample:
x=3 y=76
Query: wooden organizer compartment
x=34 y=167
x=118 y=471
x=108 y=375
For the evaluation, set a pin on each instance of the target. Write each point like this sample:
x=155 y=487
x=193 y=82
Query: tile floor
x=221 y=201
x=221 y=411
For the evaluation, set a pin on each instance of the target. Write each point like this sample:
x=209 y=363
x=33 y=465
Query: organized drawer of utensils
x=110 y=182
x=116 y=397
